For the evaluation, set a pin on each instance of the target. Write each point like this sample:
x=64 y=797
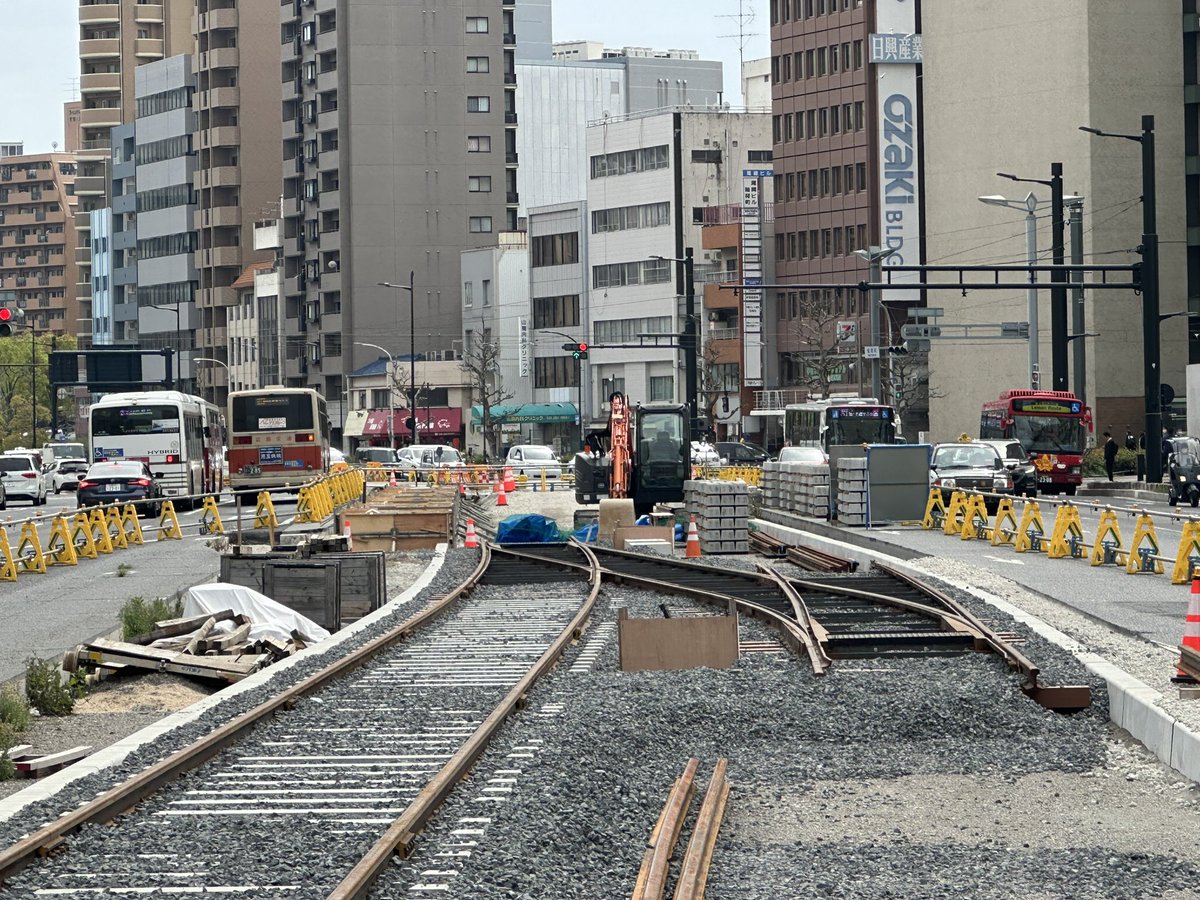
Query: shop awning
x=440 y=420
x=544 y=413
x=356 y=420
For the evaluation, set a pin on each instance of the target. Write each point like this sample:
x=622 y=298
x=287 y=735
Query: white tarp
x=268 y=618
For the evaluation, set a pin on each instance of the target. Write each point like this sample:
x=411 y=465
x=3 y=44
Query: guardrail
x=967 y=517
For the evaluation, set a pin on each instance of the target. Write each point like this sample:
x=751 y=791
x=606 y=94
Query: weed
x=8 y=740
x=139 y=615
x=124 y=569
x=14 y=710
x=45 y=688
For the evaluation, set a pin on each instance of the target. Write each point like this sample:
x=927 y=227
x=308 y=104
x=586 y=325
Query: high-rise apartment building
x=114 y=39
x=428 y=170
x=37 y=238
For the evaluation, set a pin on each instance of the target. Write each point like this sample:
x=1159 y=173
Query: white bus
x=841 y=421
x=178 y=435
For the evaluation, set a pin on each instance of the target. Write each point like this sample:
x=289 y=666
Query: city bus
x=1052 y=426
x=840 y=421
x=178 y=435
x=278 y=438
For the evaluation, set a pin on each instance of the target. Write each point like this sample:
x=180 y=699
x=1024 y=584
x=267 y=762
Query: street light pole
x=412 y=348
x=1151 y=349
x=689 y=341
x=1077 y=317
x=1030 y=205
x=390 y=376
x=178 y=341
x=875 y=257
x=1058 y=282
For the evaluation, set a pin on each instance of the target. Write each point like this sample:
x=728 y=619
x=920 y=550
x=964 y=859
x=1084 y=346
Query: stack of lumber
x=34 y=765
x=188 y=646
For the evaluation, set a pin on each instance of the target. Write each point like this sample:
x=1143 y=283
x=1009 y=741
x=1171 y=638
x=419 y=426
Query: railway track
x=880 y=613
x=315 y=791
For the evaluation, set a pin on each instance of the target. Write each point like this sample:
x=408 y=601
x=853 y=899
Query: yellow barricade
x=98 y=523
x=210 y=518
x=935 y=509
x=168 y=523
x=975 y=519
x=1004 y=529
x=81 y=536
x=955 y=514
x=131 y=525
x=1068 y=533
x=1032 y=530
x=60 y=550
x=304 y=505
x=264 y=512
x=1141 y=558
x=115 y=525
x=1186 y=559
x=8 y=565
x=1107 y=549
x=29 y=550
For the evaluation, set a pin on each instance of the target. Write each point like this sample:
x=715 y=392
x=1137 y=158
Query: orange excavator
x=644 y=454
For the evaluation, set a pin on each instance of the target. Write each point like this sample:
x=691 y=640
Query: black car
x=734 y=453
x=120 y=482
x=1018 y=463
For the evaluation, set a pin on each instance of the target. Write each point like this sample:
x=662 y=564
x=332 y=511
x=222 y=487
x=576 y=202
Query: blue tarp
x=527 y=529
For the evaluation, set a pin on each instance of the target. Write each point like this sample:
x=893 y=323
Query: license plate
x=1044 y=479
x=251 y=470
x=113 y=488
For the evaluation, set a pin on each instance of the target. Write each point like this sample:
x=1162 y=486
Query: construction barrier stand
x=168 y=523
x=1067 y=539
x=29 y=555
x=956 y=514
x=1187 y=559
x=210 y=518
x=1143 y=558
x=975 y=519
x=935 y=510
x=98 y=522
x=133 y=528
x=8 y=565
x=60 y=549
x=81 y=536
x=115 y=524
x=1004 y=529
x=1107 y=549
x=1032 y=530
x=264 y=512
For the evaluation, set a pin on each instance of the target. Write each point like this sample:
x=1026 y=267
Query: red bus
x=1052 y=426
x=278 y=438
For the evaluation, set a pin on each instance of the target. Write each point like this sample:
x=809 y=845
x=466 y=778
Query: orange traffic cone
x=462 y=486
x=510 y=483
x=495 y=476
x=392 y=479
x=1191 y=630
x=693 y=540
x=502 y=499
x=471 y=542
x=349 y=536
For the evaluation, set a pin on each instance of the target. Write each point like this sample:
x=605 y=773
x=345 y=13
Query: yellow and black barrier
x=29 y=554
x=264 y=512
x=8 y=565
x=60 y=549
x=1032 y=530
x=1067 y=537
x=975 y=519
x=955 y=514
x=114 y=524
x=168 y=523
x=1106 y=548
x=935 y=509
x=1143 y=550
x=81 y=536
x=1004 y=528
x=210 y=517
x=1187 y=560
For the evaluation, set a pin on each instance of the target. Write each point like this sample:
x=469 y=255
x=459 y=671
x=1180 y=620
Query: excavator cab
x=663 y=456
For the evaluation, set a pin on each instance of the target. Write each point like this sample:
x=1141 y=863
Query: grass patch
x=8 y=740
x=138 y=615
x=14 y=710
x=124 y=569
x=46 y=689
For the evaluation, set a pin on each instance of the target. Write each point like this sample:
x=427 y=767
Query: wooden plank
x=169 y=628
x=643 y=532
x=200 y=634
x=223 y=643
x=107 y=652
x=42 y=765
x=664 y=644
x=18 y=751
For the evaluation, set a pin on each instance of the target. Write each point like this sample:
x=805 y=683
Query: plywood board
x=643 y=533
x=661 y=644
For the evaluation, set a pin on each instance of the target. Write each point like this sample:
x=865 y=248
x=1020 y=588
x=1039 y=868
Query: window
x=477 y=24
x=468 y=293
x=858 y=54
x=478 y=64
x=379 y=398
x=479 y=184
x=822 y=57
x=835 y=186
x=662 y=387
x=835 y=120
x=554 y=249
x=833 y=60
x=860 y=170
x=479 y=224
x=787 y=126
x=556 y=312
x=623 y=218
x=627 y=330
x=823 y=117
x=776 y=130
x=713 y=156
x=486 y=291
x=624 y=162
x=479 y=143
x=810 y=62
x=859 y=115
x=555 y=371
x=759 y=155
x=650 y=271
x=479 y=104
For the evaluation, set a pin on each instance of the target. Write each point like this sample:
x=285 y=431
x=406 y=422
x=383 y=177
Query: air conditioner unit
x=710 y=255
x=435 y=355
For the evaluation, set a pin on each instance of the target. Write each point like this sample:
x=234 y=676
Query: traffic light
x=6 y=324
x=578 y=350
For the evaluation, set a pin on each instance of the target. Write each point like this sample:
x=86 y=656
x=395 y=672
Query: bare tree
x=481 y=363
x=906 y=383
x=711 y=383
x=820 y=359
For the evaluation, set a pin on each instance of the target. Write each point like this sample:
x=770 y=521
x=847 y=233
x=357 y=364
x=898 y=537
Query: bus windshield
x=291 y=412
x=860 y=425
x=1049 y=434
x=123 y=421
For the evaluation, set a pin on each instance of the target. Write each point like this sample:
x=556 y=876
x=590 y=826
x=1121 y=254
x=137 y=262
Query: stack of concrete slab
x=852 y=491
x=772 y=484
x=722 y=510
x=810 y=492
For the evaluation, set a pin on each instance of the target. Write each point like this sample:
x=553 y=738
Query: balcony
x=510 y=40
x=218 y=98
x=99 y=48
x=220 y=58
x=221 y=257
x=510 y=158
x=219 y=18
x=83 y=222
x=89 y=185
x=217 y=176
x=221 y=136
x=218 y=296
x=148 y=48
x=101 y=117
x=99 y=82
x=219 y=217
x=779 y=399
x=732 y=212
x=83 y=291
x=720 y=236
x=510 y=77
x=148 y=12
x=510 y=118
x=96 y=13
x=511 y=197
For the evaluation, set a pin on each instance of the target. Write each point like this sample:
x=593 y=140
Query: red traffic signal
x=6 y=328
x=583 y=347
x=5 y=315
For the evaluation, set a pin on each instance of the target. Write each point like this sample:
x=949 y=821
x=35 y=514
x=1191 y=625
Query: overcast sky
x=39 y=61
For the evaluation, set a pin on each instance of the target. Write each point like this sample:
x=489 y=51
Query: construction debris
x=35 y=765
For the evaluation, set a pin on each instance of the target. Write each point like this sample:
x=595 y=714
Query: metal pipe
x=1032 y=294
x=1077 y=317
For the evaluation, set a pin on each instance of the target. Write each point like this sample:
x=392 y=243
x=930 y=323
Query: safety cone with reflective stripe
x=510 y=482
x=392 y=480
x=462 y=485
x=471 y=542
x=502 y=498
x=693 y=540
x=349 y=536
x=1191 y=630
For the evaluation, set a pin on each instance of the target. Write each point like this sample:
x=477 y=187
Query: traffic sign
x=920 y=331
x=929 y=312
x=870 y=353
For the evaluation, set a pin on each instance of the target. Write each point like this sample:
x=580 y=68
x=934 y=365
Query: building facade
x=37 y=238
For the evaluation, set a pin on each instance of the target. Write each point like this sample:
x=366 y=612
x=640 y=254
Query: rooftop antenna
x=72 y=86
x=744 y=18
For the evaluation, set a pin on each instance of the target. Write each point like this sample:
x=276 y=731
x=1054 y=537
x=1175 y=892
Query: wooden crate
x=246 y=569
x=311 y=588
x=363 y=581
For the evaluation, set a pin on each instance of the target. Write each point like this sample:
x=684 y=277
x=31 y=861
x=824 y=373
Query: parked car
x=124 y=481
x=1017 y=461
x=408 y=458
x=23 y=477
x=973 y=466
x=737 y=453
x=64 y=474
x=803 y=454
x=437 y=456
x=531 y=460
x=383 y=455
x=705 y=454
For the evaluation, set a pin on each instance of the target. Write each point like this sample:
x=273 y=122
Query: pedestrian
x=1110 y=454
x=1130 y=441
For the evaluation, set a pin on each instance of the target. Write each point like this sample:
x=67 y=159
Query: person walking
x=1110 y=454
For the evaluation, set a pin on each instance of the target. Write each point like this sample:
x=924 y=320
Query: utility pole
x=1058 y=282
x=1077 y=317
x=690 y=343
x=875 y=257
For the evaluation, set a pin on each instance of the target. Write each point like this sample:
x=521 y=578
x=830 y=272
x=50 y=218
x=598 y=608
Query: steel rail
x=813 y=636
x=693 y=874
x=951 y=621
x=129 y=793
x=656 y=864
x=1057 y=697
x=402 y=832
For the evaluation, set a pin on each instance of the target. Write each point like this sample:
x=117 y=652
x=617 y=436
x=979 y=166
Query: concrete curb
x=114 y=754
x=1132 y=704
